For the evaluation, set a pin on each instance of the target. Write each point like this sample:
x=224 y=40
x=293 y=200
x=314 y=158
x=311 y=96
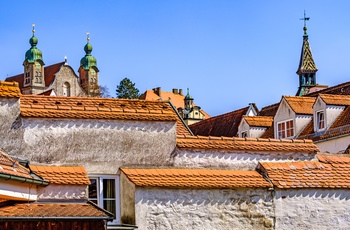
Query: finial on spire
x=33 y=30
x=88 y=36
x=65 y=60
x=305 y=19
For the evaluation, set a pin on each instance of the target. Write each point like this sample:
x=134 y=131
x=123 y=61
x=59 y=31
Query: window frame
x=99 y=186
x=318 y=113
x=285 y=131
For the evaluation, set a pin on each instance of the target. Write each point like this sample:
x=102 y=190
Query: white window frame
x=99 y=180
x=318 y=120
x=285 y=129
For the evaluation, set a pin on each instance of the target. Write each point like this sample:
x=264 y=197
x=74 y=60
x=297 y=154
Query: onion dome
x=88 y=60
x=33 y=54
x=188 y=96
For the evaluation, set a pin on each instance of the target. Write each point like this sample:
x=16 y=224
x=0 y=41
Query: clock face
x=92 y=72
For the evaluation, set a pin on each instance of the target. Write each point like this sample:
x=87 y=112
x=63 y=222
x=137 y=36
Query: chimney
x=158 y=91
x=175 y=91
x=180 y=92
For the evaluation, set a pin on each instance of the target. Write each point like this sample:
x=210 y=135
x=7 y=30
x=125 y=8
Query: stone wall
x=312 y=209
x=181 y=209
x=232 y=159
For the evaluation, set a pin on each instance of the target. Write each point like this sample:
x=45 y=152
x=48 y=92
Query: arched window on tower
x=66 y=89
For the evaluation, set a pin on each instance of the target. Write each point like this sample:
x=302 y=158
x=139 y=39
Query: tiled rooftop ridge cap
x=246 y=139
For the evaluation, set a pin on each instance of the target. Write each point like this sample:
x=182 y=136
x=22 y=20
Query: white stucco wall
x=312 y=209
x=256 y=132
x=181 y=209
x=232 y=160
x=301 y=121
x=335 y=145
x=62 y=192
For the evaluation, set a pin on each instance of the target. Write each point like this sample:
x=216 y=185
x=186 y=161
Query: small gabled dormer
x=292 y=116
x=254 y=126
x=326 y=110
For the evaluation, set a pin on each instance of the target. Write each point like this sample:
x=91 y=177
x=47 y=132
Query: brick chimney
x=175 y=91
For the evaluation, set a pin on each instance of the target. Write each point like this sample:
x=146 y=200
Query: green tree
x=127 y=89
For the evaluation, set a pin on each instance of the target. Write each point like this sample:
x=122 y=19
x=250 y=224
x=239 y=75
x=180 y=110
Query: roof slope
x=331 y=172
x=69 y=175
x=341 y=89
x=195 y=178
x=57 y=210
x=49 y=75
x=9 y=89
x=245 y=144
x=330 y=99
x=95 y=108
x=259 y=121
x=269 y=110
x=221 y=125
x=300 y=105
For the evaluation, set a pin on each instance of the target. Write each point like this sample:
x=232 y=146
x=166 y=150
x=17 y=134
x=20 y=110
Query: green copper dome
x=33 y=54
x=88 y=60
x=188 y=96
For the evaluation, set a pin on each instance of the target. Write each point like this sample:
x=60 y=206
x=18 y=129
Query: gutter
x=23 y=179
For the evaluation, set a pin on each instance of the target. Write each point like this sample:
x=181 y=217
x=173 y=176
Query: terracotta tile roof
x=176 y=99
x=49 y=73
x=9 y=89
x=72 y=175
x=259 y=121
x=194 y=178
x=332 y=159
x=269 y=133
x=95 y=108
x=9 y=166
x=309 y=129
x=300 y=105
x=330 y=99
x=246 y=144
x=309 y=174
x=55 y=210
x=269 y=110
x=222 y=125
x=341 y=89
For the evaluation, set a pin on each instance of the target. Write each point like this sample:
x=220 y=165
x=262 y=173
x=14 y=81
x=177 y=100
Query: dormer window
x=320 y=120
x=244 y=134
x=285 y=129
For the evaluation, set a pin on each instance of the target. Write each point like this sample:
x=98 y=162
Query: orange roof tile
x=222 y=125
x=9 y=89
x=308 y=174
x=269 y=133
x=259 y=121
x=301 y=105
x=330 y=99
x=246 y=144
x=269 y=110
x=72 y=175
x=331 y=159
x=195 y=178
x=95 y=108
x=341 y=89
x=10 y=166
x=55 y=210
x=176 y=99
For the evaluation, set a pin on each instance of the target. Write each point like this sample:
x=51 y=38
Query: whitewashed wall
x=312 y=209
x=335 y=145
x=232 y=159
x=181 y=209
x=62 y=192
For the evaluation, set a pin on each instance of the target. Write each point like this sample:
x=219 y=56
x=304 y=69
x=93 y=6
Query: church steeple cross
x=305 y=19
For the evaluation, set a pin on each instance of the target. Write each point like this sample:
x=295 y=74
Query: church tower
x=34 y=81
x=88 y=72
x=307 y=68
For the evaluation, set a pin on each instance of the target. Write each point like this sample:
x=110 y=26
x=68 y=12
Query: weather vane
x=33 y=30
x=88 y=36
x=305 y=19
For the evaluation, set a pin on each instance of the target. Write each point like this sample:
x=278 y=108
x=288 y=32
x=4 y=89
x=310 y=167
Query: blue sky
x=229 y=53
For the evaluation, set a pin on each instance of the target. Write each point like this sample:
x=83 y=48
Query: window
x=285 y=129
x=104 y=191
x=27 y=78
x=244 y=134
x=320 y=120
x=66 y=89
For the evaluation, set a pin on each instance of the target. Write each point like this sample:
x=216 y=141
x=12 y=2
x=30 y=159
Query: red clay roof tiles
x=69 y=175
x=330 y=172
x=195 y=178
x=95 y=108
x=300 y=105
x=9 y=89
x=39 y=210
x=259 y=121
x=330 y=99
x=222 y=125
x=245 y=144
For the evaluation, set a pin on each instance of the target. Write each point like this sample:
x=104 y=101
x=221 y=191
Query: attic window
x=285 y=129
x=320 y=120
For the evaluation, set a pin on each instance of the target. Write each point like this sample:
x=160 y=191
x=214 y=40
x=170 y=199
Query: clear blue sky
x=229 y=53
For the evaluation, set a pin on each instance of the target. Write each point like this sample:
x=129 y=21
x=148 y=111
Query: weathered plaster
x=312 y=209
x=203 y=209
x=62 y=192
x=233 y=160
x=127 y=201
